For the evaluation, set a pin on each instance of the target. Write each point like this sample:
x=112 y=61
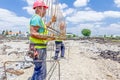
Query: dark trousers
x=40 y=67
x=59 y=47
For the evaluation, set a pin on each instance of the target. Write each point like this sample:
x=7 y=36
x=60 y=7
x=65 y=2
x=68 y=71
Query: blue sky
x=102 y=17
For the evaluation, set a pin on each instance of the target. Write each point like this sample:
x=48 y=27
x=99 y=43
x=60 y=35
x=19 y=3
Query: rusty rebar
x=56 y=61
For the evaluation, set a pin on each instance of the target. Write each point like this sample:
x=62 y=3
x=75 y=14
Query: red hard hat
x=39 y=3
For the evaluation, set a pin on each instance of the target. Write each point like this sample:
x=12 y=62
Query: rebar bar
x=56 y=61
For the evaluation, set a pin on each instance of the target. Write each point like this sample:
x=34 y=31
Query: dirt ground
x=82 y=61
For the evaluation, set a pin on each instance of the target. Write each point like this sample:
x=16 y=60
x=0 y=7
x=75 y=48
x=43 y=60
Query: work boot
x=55 y=58
x=62 y=57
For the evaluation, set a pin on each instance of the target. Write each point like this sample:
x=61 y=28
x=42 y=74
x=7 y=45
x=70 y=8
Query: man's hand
x=51 y=37
x=53 y=19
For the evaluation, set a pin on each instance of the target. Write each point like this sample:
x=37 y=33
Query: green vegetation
x=86 y=32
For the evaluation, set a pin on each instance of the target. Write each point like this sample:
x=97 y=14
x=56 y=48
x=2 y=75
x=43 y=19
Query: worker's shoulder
x=35 y=20
x=36 y=17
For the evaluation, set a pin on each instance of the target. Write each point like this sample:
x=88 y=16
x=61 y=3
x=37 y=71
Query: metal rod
x=51 y=68
x=59 y=70
x=52 y=71
x=5 y=78
x=54 y=29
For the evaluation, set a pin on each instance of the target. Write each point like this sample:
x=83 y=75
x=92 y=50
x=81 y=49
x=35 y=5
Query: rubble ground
x=84 y=60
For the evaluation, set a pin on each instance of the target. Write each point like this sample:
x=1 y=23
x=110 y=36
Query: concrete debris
x=113 y=55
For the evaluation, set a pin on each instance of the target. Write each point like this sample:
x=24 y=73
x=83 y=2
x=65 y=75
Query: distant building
x=70 y=34
x=23 y=35
x=17 y=34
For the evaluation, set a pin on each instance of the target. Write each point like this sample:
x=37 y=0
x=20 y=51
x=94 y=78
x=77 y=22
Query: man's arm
x=35 y=34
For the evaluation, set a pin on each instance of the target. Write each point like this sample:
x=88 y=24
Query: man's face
x=42 y=11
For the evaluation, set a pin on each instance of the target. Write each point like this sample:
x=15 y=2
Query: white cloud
x=117 y=2
x=112 y=14
x=63 y=6
x=49 y=3
x=88 y=8
x=10 y=21
x=96 y=29
x=29 y=8
x=112 y=29
x=68 y=11
x=75 y=16
x=78 y=28
x=83 y=16
x=80 y=3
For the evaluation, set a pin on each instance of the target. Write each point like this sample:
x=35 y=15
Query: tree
x=86 y=32
x=104 y=35
x=10 y=31
x=16 y=34
x=111 y=36
x=69 y=36
x=6 y=33
x=74 y=35
x=3 y=32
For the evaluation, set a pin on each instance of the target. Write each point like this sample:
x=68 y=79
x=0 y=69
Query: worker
x=38 y=39
x=59 y=43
